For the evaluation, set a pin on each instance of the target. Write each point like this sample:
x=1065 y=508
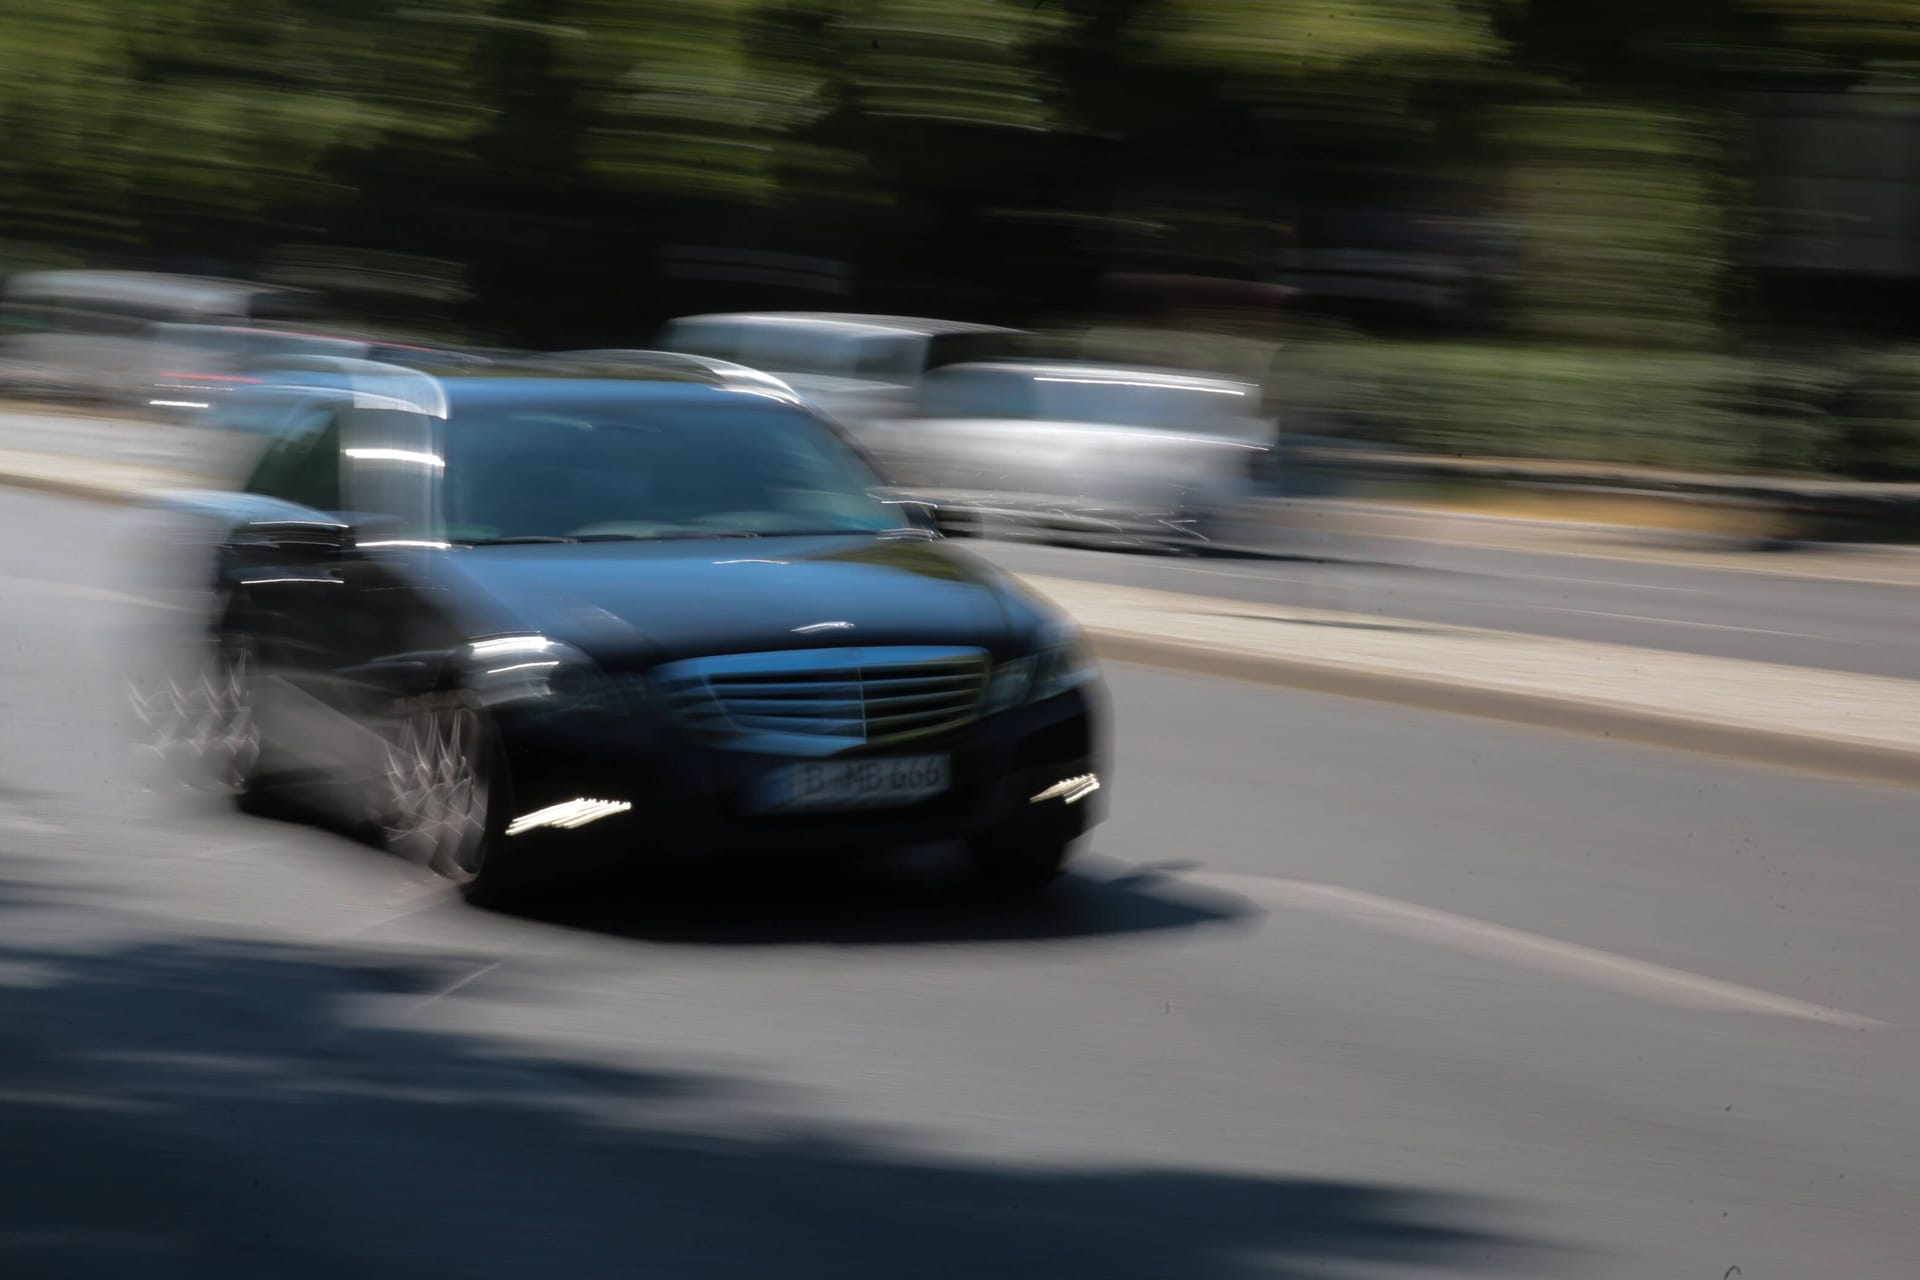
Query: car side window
x=969 y=393
x=717 y=341
x=303 y=466
x=886 y=359
x=795 y=348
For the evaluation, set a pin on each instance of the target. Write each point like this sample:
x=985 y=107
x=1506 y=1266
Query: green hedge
x=1876 y=433
x=1705 y=412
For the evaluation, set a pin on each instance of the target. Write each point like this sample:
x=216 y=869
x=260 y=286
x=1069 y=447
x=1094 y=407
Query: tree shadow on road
x=209 y=1109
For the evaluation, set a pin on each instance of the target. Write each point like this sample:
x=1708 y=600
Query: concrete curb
x=1859 y=762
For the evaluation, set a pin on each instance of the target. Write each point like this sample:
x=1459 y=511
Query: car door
x=346 y=631
x=283 y=593
x=395 y=622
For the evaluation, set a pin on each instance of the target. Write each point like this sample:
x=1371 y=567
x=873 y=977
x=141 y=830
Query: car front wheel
x=197 y=715
x=443 y=793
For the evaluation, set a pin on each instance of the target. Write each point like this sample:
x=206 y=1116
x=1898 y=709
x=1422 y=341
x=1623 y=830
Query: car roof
x=846 y=321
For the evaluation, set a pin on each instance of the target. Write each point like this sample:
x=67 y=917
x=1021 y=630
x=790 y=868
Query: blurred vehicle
x=1109 y=454
x=526 y=623
x=627 y=362
x=856 y=368
x=110 y=335
x=207 y=362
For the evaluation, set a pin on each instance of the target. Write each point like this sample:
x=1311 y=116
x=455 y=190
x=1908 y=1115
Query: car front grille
x=823 y=701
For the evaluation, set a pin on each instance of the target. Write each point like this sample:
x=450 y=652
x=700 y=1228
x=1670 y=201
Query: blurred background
x=1681 y=235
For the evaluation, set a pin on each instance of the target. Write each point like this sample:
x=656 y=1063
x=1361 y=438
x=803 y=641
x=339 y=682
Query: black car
x=528 y=624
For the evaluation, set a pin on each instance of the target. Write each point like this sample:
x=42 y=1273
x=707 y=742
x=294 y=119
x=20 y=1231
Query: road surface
x=1342 y=990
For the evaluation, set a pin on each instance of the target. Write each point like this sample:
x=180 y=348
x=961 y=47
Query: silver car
x=856 y=368
x=1120 y=456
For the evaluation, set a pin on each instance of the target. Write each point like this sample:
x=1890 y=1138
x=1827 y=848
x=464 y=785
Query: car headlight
x=1061 y=662
x=1066 y=663
x=534 y=669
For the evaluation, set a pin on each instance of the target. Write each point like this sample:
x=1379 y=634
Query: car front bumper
x=667 y=797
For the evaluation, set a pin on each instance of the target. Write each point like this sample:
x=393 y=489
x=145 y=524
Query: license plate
x=856 y=784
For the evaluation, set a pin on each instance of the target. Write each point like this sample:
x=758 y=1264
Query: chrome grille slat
x=794 y=688
x=818 y=702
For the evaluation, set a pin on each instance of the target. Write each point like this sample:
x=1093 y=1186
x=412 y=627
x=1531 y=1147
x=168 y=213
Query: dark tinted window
x=977 y=393
x=791 y=347
x=888 y=358
x=99 y=321
x=719 y=341
x=303 y=466
x=625 y=470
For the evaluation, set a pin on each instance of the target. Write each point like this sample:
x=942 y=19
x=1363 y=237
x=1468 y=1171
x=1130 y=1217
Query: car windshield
x=649 y=472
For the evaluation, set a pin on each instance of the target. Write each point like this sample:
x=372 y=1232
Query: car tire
x=1018 y=860
x=199 y=714
x=444 y=796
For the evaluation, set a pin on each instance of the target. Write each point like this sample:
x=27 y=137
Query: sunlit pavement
x=1341 y=990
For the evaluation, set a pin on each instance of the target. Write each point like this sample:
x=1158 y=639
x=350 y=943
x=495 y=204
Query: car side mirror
x=917 y=513
x=299 y=538
x=315 y=537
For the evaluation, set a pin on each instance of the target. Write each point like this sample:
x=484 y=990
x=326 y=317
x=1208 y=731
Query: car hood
x=634 y=604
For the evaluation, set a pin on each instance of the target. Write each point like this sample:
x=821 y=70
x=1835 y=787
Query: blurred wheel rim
x=437 y=812
x=204 y=725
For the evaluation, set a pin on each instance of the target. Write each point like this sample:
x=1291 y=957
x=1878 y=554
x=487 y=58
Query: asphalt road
x=1340 y=991
x=1797 y=620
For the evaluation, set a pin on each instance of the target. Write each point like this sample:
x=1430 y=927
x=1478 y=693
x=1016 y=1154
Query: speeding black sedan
x=539 y=624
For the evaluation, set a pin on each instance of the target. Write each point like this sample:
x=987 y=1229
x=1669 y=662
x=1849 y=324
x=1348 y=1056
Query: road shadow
x=198 y=1108
x=884 y=902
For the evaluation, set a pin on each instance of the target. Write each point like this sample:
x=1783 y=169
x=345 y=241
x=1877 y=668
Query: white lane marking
x=222 y=852
x=1249 y=577
x=448 y=990
x=1682 y=622
x=1531 y=950
x=1597 y=582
